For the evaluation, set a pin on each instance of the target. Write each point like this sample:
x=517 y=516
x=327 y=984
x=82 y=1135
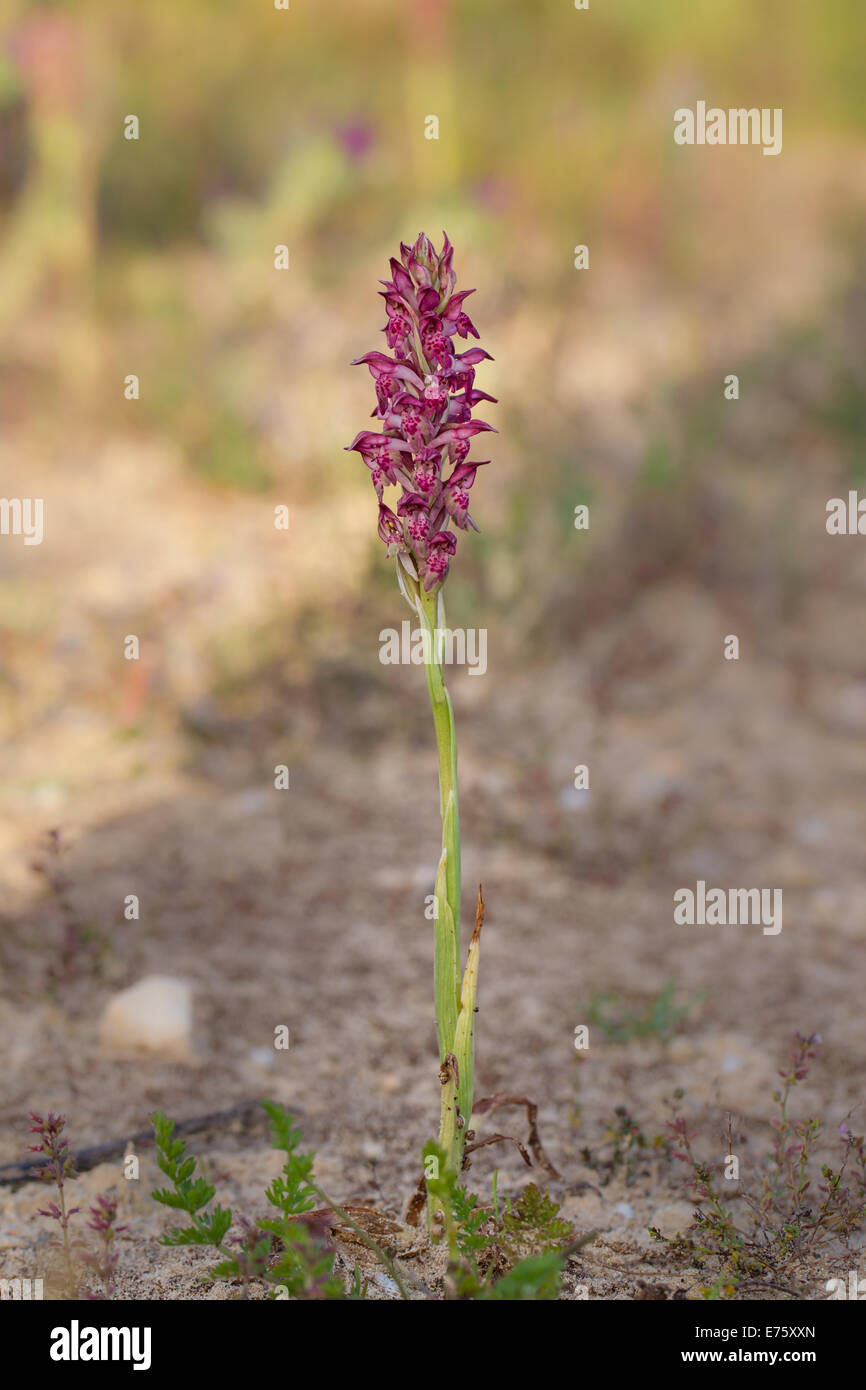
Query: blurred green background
x=306 y=127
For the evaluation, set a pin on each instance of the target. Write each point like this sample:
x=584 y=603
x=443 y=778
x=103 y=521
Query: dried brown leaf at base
x=488 y=1104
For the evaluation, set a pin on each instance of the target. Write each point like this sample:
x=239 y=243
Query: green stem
x=447 y=912
x=446 y=951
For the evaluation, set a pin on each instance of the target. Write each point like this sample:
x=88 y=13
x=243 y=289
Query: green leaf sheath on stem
x=450 y=1138
x=464 y=1037
x=454 y=1027
x=444 y=961
x=446 y=921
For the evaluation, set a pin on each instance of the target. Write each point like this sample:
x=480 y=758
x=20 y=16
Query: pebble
x=386 y=1283
x=153 y=1017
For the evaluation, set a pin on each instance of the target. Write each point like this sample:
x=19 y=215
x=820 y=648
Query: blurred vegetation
x=261 y=127
x=660 y=1017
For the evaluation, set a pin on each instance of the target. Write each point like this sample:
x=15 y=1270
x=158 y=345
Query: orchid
x=425 y=398
x=425 y=395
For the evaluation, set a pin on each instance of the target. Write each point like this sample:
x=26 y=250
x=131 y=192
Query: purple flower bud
x=454 y=307
x=463 y=430
x=425 y=395
x=402 y=280
x=464 y=473
x=473 y=356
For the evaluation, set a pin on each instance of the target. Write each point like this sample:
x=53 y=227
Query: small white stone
x=626 y=1210
x=386 y=1283
x=153 y=1017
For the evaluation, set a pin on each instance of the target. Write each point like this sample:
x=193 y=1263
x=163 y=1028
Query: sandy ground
x=306 y=908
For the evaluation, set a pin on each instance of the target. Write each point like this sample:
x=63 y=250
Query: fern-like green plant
x=518 y=1256
x=533 y=1226
x=187 y=1193
x=539 y=1277
x=289 y=1254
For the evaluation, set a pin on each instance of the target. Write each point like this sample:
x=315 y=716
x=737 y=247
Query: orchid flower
x=424 y=400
